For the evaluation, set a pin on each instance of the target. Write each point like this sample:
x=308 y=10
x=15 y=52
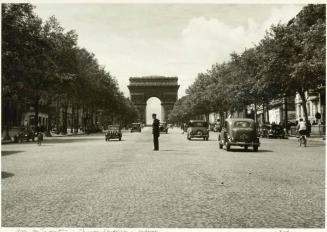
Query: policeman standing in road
x=155 y=132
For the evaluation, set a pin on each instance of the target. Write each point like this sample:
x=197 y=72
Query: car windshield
x=198 y=124
x=242 y=124
x=113 y=128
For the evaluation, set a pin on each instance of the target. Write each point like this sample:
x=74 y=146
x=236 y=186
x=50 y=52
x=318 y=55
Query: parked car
x=136 y=127
x=239 y=132
x=163 y=128
x=276 y=131
x=25 y=134
x=197 y=129
x=114 y=132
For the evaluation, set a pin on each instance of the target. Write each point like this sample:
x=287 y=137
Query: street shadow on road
x=315 y=144
x=6 y=175
x=71 y=140
x=4 y=153
x=168 y=150
x=250 y=151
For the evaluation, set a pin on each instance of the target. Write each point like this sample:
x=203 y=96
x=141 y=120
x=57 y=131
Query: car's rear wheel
x=255 y=148
x=220 y=146
x=246 y=148
x=119 y=139
x=227 y=147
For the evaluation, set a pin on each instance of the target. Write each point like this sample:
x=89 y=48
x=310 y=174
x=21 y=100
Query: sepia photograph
x=163 y=115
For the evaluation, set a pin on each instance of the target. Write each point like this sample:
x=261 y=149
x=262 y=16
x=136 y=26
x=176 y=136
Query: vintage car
x=276 y=131
x=239 y=132
x=197 y=129
x=114 y=132
x=25 y=134
x=136 y=127
x=163 y=128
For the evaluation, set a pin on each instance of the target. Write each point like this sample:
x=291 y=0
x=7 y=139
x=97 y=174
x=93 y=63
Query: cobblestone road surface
x=83 y=181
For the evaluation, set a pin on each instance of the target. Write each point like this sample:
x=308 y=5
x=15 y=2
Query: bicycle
x=303 y=140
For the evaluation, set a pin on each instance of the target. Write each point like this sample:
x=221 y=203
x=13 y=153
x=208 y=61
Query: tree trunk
x=84 y=119
x=72 y=120
x=48 y=131
x=263 y=112
x=286 y=114
x=255 y=112
x=221 y=115
x=64 y=122
x=57 y=115
x=304 y=105
x=77 y=119
x=207 y=117
x=36 y=113
x=7 y=119
x=267 y=111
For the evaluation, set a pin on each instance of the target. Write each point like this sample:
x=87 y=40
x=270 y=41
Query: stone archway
x=143 y=88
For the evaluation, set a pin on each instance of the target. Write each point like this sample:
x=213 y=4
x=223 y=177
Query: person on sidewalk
x=155 y=132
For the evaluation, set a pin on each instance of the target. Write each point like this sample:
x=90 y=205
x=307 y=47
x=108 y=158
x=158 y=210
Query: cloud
x=213 y=40
x=205 y=41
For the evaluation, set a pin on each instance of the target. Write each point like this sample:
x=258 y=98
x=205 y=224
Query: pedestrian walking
x=155 y=132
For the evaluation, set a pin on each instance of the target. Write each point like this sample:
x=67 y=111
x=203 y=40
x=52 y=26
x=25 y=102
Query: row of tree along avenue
x=43 y=69
x=289 y=60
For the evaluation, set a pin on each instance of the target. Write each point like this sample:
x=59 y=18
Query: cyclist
x=302 y=128
x=39 y=138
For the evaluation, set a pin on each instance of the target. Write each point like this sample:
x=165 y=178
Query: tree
x=20 y=30
x=295 y=53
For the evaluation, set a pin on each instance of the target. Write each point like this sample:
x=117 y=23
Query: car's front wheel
x=255 y=148
x=227 y=147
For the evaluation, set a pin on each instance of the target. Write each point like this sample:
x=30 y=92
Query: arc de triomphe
x=143 y=88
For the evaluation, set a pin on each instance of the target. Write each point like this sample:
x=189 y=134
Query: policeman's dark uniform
x=156 y=133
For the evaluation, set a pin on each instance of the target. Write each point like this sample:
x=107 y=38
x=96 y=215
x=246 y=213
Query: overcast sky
x=166 y=39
